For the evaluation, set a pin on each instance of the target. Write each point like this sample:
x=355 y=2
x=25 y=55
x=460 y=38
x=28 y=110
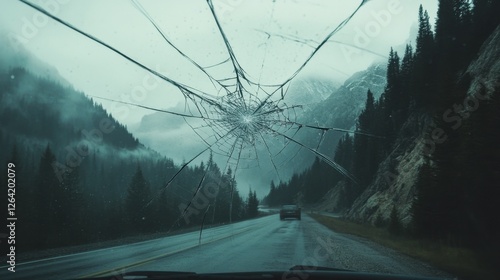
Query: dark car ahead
x=290 y=211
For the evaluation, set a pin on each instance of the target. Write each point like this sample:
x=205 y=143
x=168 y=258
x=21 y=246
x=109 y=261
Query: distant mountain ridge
x=325 y=104
x=37 y=108
x=310 y=91
x=395 y=183
x=343 y=106
x=82 y=177
x=340 y=110
x=13 y=56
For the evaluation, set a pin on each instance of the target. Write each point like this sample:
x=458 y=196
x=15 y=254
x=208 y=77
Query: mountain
x=310 y=91
x=425 y=168
x=434 y=125
x=79 y=169
x=395 y=183
x=325 y=103
x=38 y=113
x=15 y=55
x=39 y=109
x=343 y=106
x=80 y=175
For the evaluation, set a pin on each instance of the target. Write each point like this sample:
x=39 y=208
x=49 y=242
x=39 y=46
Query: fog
x=271 y=40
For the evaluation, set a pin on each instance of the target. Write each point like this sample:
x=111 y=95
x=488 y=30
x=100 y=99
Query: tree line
x=74 y=191
x=457 y=186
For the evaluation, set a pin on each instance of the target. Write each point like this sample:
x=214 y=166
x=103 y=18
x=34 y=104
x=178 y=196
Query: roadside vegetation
x=453 y=197
x=463 y=262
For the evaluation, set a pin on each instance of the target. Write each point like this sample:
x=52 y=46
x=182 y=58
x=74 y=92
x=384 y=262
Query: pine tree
x=344 y=152
x=478 y=181
x=392 y=92
x=231 y=185
x=425 y=36
x=72 y=208
x=484 y=21
x=48 y=198
x=423 y=203
x=423 y=77
x=453 y=35
x=163 y=216
x=212 y=166
x=238 y=210
x=407 y=64
x=136 y=204
x=252 y=204
x=365 y=158
x=271 y=197
x=446 y=24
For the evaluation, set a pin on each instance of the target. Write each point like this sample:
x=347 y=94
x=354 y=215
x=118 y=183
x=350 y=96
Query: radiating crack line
x=153 y=109
x=183 y=88
x=222 y=114
x=329 y=161
x=160 y=31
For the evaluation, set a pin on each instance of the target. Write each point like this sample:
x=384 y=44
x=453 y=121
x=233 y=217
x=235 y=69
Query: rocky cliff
x=394 y=184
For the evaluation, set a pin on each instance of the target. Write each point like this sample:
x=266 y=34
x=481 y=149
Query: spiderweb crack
x=245 y=115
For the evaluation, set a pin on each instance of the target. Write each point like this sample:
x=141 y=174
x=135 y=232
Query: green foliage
x=72 y=205
x=423 y=206
x=252 y=204
x=48 y=195
x=96 y=186
x=423 y=75
x=379 y=221
x=457 y=185
x=484 y=20
x=306 y=187
x=136 y=203
x=344 y=152
x=365 y=159
x=395 y=222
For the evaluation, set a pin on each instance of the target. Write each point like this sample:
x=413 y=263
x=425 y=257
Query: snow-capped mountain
x=340 y=110
x=344 y=105
x=310 y=91
x=325 y=103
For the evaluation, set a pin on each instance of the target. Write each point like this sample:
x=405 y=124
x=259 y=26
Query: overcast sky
x=97 y=71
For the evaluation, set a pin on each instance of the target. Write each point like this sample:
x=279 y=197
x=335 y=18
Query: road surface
x=260 y=244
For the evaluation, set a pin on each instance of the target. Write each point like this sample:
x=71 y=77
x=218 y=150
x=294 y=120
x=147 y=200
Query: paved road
x=260 y=244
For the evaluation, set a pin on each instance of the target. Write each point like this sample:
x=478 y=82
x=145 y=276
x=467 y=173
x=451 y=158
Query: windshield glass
x=167 y=135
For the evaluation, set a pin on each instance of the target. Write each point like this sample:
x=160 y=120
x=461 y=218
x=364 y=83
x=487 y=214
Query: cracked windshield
x=283 y=139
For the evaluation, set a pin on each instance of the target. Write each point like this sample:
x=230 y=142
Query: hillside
x=342 y=107
x=396 y=185
x=423 y=161
x=79 y=169
x=322 y=103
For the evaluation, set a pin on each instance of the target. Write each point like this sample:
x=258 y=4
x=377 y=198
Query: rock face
x=485 y=70
x=342 y=107
x=341 y=110
x=333 y=201
x=325 y=103
x=15 y=55
x=310 y=91
x=394 y=184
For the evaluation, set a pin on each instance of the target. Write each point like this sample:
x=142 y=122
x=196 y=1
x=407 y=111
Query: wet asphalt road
x=255 y=245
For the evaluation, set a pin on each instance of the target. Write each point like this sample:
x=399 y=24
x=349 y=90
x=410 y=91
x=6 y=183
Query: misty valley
x=404 y=149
